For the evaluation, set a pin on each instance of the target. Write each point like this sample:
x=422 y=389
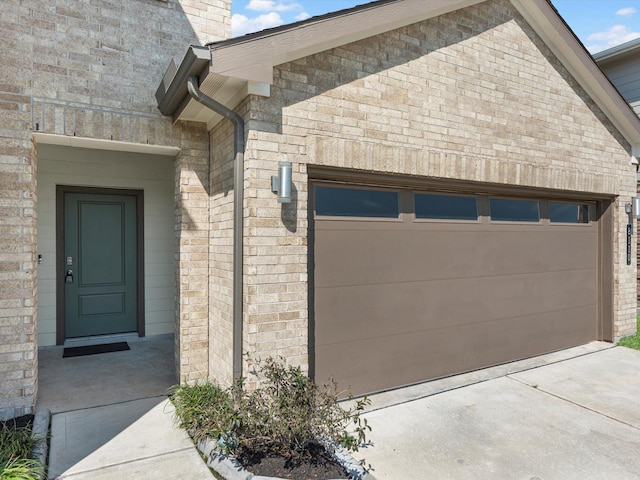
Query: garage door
x=411 y=285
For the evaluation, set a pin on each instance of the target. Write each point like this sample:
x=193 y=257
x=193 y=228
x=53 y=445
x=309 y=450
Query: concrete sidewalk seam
x=128 y=462
x=110 y=404
x=535 y=387
x=477 y=382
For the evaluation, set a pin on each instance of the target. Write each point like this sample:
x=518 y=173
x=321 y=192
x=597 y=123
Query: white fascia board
x=253 y=58
x=562 y=42
x=100 y=144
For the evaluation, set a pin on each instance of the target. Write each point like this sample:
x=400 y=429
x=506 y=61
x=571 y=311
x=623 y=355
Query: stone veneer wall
x=472 y=95
x=90 y=69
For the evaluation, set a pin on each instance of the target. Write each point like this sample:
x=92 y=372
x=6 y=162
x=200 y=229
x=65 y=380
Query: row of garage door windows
x=372 y=203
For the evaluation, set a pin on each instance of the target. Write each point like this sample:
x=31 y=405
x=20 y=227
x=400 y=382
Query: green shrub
x=205 y=410
x=282 y=416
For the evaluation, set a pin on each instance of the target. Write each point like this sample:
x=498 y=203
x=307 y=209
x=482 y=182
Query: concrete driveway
x=573 y=414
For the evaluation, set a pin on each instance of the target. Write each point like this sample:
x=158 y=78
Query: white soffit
x=227 y=90
x=100 y=144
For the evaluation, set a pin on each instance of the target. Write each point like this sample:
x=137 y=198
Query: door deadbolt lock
x=68 y=278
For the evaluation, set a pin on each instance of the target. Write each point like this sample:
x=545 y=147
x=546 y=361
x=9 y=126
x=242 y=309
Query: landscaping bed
x=286 y=427
x=321 y=465
x=316 y=463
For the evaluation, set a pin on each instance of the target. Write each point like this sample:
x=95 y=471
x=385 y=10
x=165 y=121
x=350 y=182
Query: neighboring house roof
x=624 y=50
x=231 y=69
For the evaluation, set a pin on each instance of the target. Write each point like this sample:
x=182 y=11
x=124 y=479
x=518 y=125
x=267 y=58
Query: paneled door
x=100 y=265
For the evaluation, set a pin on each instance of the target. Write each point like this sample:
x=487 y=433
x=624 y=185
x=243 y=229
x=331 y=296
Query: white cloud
x=623 y=12
x=610 y=38
x=302 y=16
x=241 y=24
x=272 y=6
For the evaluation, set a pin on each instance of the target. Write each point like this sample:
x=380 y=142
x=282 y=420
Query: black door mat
x=95 y=349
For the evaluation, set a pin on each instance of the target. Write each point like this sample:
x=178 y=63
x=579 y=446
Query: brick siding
x=472 y=95
x=90 y=69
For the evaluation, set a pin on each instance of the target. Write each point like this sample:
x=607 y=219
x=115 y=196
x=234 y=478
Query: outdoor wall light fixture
x=636 y=207
x=281 y=184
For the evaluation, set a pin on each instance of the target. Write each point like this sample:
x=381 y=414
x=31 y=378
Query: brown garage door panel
x=388 y=309
x=356 y=257
x=402 y=301
x=369 y=365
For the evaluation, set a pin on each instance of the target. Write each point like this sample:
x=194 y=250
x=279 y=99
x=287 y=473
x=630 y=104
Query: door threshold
x=100 y=339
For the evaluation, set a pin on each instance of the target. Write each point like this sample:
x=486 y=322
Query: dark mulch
x=318 y=464
x=18 y=422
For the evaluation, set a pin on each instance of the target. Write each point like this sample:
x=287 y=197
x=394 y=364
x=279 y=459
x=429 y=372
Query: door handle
x=68 y=278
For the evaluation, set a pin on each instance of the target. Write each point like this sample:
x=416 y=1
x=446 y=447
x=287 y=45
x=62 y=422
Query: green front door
x=99 y=264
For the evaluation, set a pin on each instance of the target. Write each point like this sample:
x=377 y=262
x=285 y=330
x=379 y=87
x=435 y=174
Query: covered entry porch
x=110 y=414
x=146 y=370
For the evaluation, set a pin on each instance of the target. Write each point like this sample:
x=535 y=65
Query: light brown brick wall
x=472 y=95
x=18 y=282
x=221 y=254
x=192 y=245
x=73 y=67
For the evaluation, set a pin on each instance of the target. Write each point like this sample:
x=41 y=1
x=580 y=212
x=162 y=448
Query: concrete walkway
x=573 y=414
x=136 y=439
x=111 y=418
x=578 y=418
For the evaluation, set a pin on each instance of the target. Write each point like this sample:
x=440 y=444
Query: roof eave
x=173 y=88
x=244 y=65
x=238 y=67
x=561 y=40
x=631 y=47
x=253 y=57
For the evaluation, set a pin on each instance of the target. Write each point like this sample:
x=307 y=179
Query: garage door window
x=565 y=212
x=510 y=210
x=446 y=207
x=351 y=202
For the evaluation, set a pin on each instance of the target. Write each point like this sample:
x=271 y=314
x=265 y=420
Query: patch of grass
x=632 y=341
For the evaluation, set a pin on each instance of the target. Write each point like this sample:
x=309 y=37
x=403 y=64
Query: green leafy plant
x=206 y=411
x=16 y=447
x=15 y=441
x=20 y=469
x=284 y=415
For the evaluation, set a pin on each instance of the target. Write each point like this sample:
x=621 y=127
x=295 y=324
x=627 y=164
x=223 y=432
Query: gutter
x=173 y=88
x=180 y=83
x=238 y=218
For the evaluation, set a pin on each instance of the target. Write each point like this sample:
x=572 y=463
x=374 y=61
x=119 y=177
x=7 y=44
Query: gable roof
x=232 y=69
